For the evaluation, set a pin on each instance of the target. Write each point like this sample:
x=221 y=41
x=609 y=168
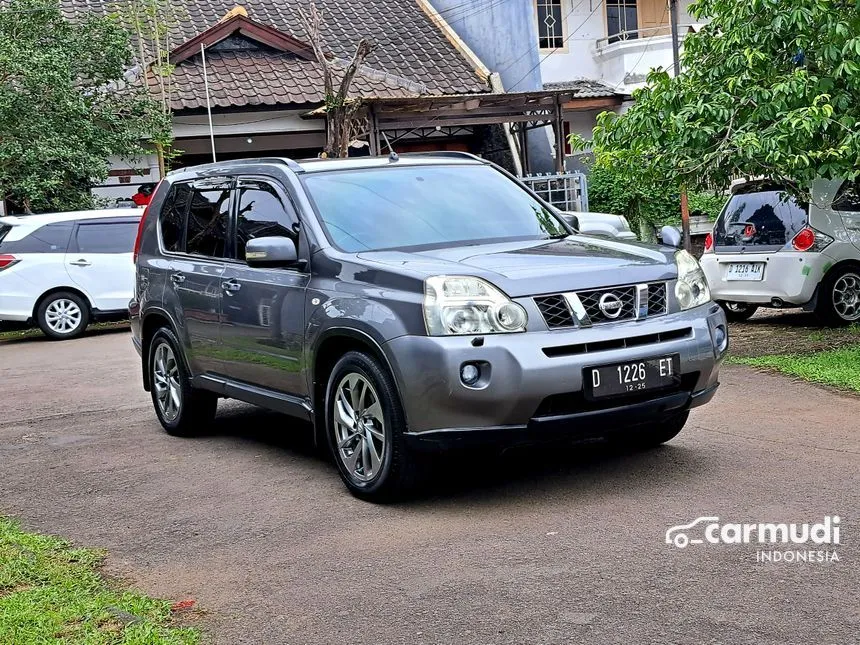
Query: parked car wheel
x=365 y=425
x=182 y=410
x=839 y=297
x=63 y=315
x=738 y=311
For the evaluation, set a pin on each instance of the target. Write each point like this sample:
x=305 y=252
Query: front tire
x=182 y=410
x=738 y=311
x=63 y=315
x=839 y=297
x=365 y=425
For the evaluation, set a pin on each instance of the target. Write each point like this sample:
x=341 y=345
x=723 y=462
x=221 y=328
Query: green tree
x=65 y=105
x=768 y=87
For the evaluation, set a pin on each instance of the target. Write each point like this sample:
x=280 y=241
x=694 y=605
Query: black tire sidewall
x=739 y=316
x=369 y=368
x=62 y=295
x=165 y=336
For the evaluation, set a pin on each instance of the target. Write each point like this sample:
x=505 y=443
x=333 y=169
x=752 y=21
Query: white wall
x=239 y=123
x=143 y=171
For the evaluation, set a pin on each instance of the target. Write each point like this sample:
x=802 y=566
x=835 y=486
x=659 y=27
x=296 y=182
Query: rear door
x=98 y=261
x=263 y=308
x=194 y=226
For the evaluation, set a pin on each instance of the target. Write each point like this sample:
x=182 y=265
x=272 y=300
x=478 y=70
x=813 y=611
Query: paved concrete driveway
x=538 y=547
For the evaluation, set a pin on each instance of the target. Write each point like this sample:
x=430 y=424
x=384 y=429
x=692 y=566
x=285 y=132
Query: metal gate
x=566 y=191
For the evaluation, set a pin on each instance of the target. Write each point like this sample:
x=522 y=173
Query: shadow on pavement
x=38 y=337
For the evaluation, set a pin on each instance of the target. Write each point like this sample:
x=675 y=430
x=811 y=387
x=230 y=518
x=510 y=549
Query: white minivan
x=63 y=270
x=768 y=249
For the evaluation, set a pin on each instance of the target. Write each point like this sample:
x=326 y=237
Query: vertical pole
x=208 y=106
x=676 y=43
x=559 y=136
x=373 y=132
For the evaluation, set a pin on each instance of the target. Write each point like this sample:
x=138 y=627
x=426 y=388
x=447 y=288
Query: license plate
x=632 y=377
x=745 y=271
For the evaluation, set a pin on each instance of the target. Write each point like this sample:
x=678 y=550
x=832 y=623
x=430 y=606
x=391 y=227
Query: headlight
x=691 y=290
x=455 y=305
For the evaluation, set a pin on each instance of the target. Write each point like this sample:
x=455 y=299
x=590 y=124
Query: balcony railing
x=641 y=34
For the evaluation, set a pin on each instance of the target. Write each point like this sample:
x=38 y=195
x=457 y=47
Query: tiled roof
x=411 y=52
x=255 y=78
x=585 y=88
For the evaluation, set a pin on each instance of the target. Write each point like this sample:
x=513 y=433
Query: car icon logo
x=610 y=305
x=677 y=535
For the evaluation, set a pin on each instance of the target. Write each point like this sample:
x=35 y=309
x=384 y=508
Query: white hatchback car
x=64 y=270
x=767 y=249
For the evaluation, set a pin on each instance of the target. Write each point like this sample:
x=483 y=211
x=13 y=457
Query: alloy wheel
x=63 y=316
x=165 y=378
x=359 y=427
x=846 y=297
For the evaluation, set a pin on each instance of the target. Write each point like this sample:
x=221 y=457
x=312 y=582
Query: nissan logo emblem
x=611 y=305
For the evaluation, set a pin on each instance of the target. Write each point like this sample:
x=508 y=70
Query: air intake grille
x=555 y=311
x=615 y=304
x=656 y=298
x=591 y=301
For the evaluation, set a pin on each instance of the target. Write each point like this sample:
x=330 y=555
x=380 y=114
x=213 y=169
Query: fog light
x=720 y=338
x=470 y=374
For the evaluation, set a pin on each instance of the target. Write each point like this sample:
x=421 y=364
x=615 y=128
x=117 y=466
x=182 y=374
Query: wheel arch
x=75 y=290
x=333 y=344
x=151 y=322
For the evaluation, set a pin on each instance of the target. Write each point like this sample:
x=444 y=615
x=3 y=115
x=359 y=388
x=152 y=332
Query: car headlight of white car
x=691 y=289
x=459 y=305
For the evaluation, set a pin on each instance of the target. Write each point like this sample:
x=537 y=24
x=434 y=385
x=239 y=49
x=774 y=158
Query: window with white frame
x=550 y=24
x=622 y=20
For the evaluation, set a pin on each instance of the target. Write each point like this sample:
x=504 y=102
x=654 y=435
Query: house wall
x=502 y=35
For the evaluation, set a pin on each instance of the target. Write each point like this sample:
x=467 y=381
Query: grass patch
x=51 y=592
x=22 y=331
x=837 y=367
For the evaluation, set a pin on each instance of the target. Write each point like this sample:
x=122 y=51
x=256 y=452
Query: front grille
x=591 y=301
x=555 y=311
x=619 y=304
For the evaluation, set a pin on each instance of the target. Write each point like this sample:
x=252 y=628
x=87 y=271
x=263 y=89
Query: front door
x=195 y=228
x=263 y=308
x=98 y=261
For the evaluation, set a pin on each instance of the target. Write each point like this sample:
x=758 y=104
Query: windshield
x=766 y=219
x=423 y=206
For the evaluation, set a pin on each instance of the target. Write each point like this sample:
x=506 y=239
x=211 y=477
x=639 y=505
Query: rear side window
x=208 y=222
x=115 y=237
x=766 y=218
x=848 y=199
x=262 y=212
x=172 y=219
x=51 y=238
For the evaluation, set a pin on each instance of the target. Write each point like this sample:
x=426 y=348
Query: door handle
x=177 y=278
x=231 y=286
x=81 y=263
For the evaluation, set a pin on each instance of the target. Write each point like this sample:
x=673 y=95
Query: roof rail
x=291 y=164
x=453 y=154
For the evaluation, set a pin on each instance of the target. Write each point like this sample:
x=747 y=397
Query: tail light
x=709 y=243
x=137 y=240
x=7 y=260
x=808 y=239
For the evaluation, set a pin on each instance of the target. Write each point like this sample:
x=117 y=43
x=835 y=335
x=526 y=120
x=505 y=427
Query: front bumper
x=790 y=276
x=530 y=391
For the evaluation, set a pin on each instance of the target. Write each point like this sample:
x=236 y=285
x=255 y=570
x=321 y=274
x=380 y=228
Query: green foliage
x=53 y=593
x=64 y=107
x=610 y=191
x=837 y=367
x=768 y=88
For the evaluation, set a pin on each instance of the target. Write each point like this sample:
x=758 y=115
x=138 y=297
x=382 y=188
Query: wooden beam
x=580 y=105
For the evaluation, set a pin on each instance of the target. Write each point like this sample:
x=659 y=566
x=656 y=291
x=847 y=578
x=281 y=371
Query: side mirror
x=671 y=236
x=272 y=251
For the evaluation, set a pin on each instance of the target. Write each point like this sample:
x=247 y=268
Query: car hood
x=540 y=266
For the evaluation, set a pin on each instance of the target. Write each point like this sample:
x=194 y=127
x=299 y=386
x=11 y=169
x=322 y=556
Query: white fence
x=566 y=191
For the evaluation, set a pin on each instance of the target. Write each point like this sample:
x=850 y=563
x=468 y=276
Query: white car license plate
x=745 y=271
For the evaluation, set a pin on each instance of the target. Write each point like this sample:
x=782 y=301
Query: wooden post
x=372 y=131
x=559 y=136
x=685 y=220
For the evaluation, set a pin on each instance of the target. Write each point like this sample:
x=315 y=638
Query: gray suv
x=413 y=302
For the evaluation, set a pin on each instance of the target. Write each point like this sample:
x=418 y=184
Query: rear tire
x=738 y=311
x=365 y=425
x=182 y=410
x=63 y=315
x=839 y=297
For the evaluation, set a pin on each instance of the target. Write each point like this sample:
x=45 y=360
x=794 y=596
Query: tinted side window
x=172 y=219
x=51 y=238
x=262 y=212
x=208 y=222
x=848 y=199
x=117 y=237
